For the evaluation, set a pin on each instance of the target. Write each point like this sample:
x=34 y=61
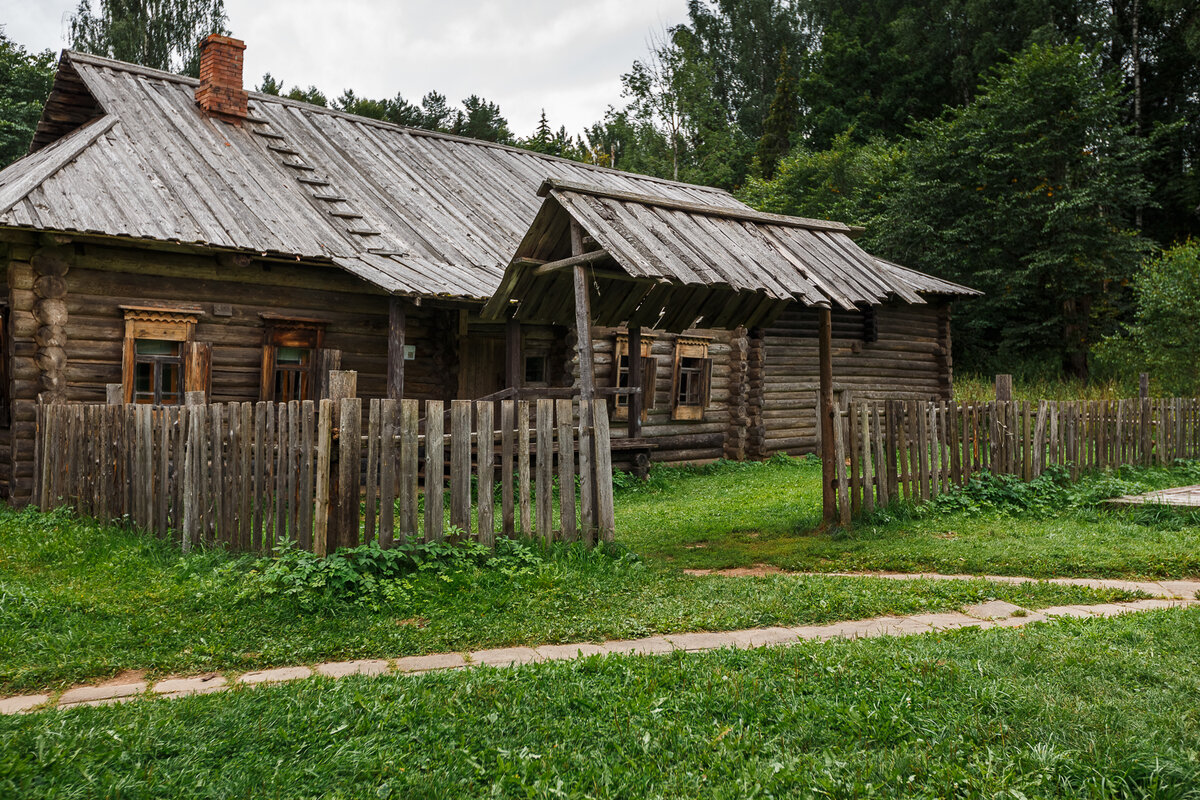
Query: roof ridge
x=138 y=69
x=747 y=214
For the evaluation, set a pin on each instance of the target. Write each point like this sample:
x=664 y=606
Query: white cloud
x=524 y=56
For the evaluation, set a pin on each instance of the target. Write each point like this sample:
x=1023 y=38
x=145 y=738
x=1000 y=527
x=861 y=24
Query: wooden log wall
x=914 y=450
x=250 y=476
x=909 y=359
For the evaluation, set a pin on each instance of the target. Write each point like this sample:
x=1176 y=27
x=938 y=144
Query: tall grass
x=976 y=388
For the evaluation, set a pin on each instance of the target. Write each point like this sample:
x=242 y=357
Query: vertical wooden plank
x=233 y=477
x=839 y=464
x=507 y=434
x=924 y=443
x=279 y=479
x=395 y=351
x=855 y=446
x=163 y=490
x=954 y=423
x=544 y=492
x=349 y=466
x=869 y=473
x=524 y=487
x=486 y=461
x=893 y=458
x=387 y=472
x=605 y=513
x=322 y=477
x=410 y=468
x=246 y=475
x=370 y=498
x=460 y=467
x=260 y=429
x=883 y=470
x=566 y=469
x=901 y=439
x=308 y=450
x=220 y=532
x=435 y=475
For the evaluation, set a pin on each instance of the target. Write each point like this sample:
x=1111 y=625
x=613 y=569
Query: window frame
x=281 y=331
x=620 y=404
x=151 y=323
x=691 y=347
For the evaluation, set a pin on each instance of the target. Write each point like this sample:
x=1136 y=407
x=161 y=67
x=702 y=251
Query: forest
x=1043 y=151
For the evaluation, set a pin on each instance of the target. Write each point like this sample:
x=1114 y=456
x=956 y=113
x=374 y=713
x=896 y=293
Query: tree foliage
x=1163 y=337
x=1029 y=193
x=163 y=34
x=25 y=80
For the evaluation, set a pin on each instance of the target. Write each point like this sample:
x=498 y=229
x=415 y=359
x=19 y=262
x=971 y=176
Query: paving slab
x=1186 y=589
x=946 y=621
x=1154 y=604
x=90 y=694
x=430 y=662
x=566 y=652
x=19 y=705
x=342 y=669
x=693 y=642
x=653 y=645
x=1080 y=612
x=281 y=675
x=1015 y=622
x=182 y=687
x=992 y=609
x=879 y=626
x=762 y=637
x=504 y=656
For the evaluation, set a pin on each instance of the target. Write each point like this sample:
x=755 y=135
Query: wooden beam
x=397 y=319
x=587 y=374
x=513 y=361
x=634 y=403
x=826 y=411
x=580 y=259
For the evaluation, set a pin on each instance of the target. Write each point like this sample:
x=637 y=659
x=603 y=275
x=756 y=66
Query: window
x=157 y=372
x=291 y=350
x=621 y=376
x=692 y=381
x=537 y=370
x=161 y=361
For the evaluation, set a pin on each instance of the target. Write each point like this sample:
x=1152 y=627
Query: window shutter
x=198 y=369
x=705 y=382
x=649 y=381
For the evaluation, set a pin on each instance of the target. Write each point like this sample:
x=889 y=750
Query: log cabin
x=166 y=234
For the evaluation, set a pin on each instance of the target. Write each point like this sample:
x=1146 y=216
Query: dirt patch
x=128 y=676
x=755 y=571
x=415 y=622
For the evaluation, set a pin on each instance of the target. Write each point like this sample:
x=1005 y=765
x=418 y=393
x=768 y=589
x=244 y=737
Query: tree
x=480 y=119
x=1028 y=193
x=163 y=34
x=781 y=120
x=25 y=81
x=1163 y=336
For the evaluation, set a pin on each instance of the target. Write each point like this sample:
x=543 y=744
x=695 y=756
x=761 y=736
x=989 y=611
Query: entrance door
x=481 y=367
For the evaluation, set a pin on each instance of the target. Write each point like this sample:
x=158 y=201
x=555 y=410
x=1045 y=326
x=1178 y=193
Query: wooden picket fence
x=914 y=450
x=251 y=475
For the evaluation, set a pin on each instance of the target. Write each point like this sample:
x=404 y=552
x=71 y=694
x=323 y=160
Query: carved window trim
x=691 y=379
x=621 y=375
x=300 y=333
x=170 y=325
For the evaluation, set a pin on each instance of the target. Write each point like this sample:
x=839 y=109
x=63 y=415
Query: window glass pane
x=142 y=374
x=170 y=380
x=535 y=369
x=689 y=382
x=156 y=347
x=292 y=355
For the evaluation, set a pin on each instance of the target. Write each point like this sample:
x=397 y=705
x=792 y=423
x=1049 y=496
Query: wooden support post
x=1004 y=388
x=513 y=357
x=397 y=319
x=587 y=376
x=343 y=384
x=825 y=411
x=634 y=402
x=1144 y=386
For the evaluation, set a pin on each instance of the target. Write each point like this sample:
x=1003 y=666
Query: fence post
x=342 y=386
x=1004 y=388
x=1144 y=386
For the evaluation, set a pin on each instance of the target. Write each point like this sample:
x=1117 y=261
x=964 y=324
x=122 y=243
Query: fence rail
x=333 y=473
x=914 y=450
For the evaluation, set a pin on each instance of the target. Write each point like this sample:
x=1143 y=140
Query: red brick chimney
x=220 y=92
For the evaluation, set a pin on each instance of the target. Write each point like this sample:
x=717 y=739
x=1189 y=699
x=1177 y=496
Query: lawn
x=81 y=601
x=738 y=515
x=1078 y=708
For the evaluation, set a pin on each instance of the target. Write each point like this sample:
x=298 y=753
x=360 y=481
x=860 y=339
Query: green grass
x=1075 y=709
x=737 y=515
x=80 y=601
x=974 y=388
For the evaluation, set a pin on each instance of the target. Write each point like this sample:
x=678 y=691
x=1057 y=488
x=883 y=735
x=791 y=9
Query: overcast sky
x=524 y=55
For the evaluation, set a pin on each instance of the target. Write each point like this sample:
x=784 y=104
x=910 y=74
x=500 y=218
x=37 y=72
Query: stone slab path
x=1185 y=589
x=995 y=613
